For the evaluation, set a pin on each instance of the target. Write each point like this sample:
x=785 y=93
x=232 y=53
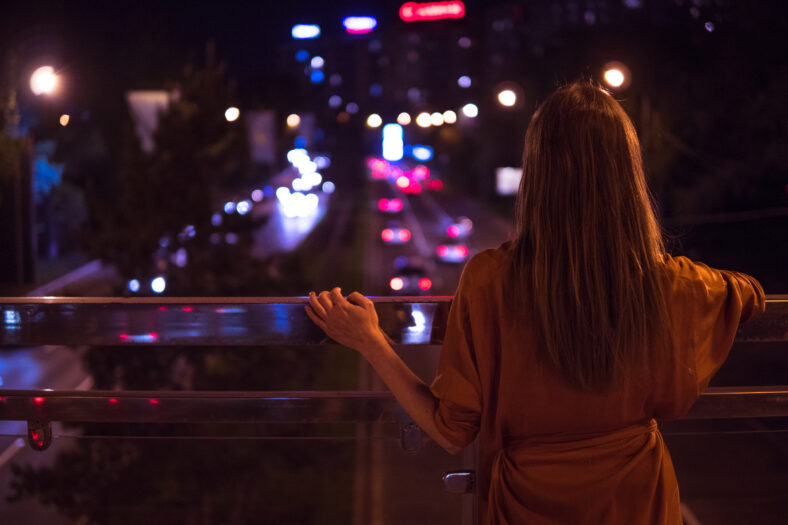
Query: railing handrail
x=247 y=321
x=259 y=321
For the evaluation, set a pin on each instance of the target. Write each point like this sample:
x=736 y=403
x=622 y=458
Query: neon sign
x=415 y=12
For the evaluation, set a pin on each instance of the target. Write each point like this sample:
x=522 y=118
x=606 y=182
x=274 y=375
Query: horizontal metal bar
x=246 y=321
x=301 y=406
x=198 y=407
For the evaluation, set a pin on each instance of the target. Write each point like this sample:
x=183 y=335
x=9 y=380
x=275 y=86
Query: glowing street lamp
x=374 y=120
x=507 y=98
x=470 y=110
x=232 y=114
x=423 y=120
x=403 y=118
x=293 y=120
x=616 y=75
x=43 y=81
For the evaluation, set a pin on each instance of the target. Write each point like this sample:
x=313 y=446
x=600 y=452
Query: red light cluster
x=425 y=283
x=414 y=11
x=390 y=205
x=387 y=235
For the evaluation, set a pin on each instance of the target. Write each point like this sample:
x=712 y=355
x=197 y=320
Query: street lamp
x=616 y=75
x=507 y=98
x=43 y=81
x=232 y=113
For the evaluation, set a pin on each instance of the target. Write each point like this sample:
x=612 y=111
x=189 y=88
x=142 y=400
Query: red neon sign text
x=414 y=11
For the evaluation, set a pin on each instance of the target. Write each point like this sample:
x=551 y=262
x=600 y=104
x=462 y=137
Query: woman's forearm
x=411 y=392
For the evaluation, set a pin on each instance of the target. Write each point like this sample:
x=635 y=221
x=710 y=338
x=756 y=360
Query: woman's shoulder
x=486 y=266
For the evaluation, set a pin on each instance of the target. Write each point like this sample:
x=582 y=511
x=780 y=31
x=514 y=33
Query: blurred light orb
x=317 y=62
x=231 y=238
x=43 y=81
x=293 y=120
x=328 y=187
x=343 y=117
x=305 y=31
x=464 y=42
x=299 y=142
x=335 y=79
x=216 y=219
x=321 y=161
x=229 y=207
x=243 y=207
x=403 y=119
x=352 y=108
x=449 y=116
x=302 y=55
x=422 y=153
x=134 y=286
x=316 y=77
x=507 y=97
x=614 y=77
x=357 y=25
x=158 y=284
x=423 y=120
x=470 y=110
x=181 y=258
x=64 y=118
x=374 y=120
x=257 y=195
x=709 y=26
x=436 y=119
x=232 y=114
x=375 y=90
x=464 y=81
x=335 y=101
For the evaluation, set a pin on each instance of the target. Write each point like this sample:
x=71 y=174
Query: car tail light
x=443 y=250
x=396 y=284
x=453 y=230
x=387 y=235
x=383 y=205
x=395 y=205
x=462 y=251
x=404 y=235
x=425 y=283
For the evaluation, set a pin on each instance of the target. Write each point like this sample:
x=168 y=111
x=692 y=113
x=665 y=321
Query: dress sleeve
x=457 y=385
x=725 y=299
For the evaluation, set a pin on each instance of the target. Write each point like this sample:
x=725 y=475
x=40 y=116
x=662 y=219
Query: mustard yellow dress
x=550 y=453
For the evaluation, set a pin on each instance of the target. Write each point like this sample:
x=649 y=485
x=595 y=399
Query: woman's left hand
x=352 y=322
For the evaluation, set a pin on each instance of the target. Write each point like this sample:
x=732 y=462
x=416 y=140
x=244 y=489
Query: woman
x=563 y=345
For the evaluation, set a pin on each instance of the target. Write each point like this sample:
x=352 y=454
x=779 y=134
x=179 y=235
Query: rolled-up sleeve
x=457 y=385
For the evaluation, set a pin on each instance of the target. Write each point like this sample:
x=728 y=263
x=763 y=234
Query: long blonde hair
x=588 y=246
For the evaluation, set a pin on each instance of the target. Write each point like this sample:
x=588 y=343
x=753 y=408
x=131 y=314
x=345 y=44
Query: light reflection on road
x=284 y=234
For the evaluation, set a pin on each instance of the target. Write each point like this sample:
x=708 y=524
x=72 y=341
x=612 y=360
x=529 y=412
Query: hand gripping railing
x=228 y=322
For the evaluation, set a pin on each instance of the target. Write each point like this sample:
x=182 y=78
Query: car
x=390 y=205
x=395 y=233
x=452 y=252
x=459 y=227
x=409 y=277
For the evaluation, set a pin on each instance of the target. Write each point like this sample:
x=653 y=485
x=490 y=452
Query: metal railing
x=229 y=322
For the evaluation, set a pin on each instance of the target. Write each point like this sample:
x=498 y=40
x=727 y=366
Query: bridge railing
x=415 y=323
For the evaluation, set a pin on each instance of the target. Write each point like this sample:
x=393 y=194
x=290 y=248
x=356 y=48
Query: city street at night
x=570 y=218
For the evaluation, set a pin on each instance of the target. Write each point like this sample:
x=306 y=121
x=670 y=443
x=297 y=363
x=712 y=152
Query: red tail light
x=404 y=235
x=395 y=205
x=425 y=283
x=383 y=204
x=443 y=250
x=453 y=230
x=462 y=251
x=387 y=235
